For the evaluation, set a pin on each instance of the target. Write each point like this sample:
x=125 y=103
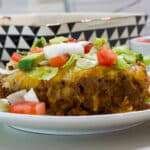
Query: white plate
x=74 y=125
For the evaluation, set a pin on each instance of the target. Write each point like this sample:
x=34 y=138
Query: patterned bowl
x=19 y=32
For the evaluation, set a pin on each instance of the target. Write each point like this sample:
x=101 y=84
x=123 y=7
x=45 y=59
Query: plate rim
x=99 y=116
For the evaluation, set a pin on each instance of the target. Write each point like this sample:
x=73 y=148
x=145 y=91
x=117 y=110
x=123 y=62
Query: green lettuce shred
x=23 y=53
x=146 y=60
x=91 y=56
x=41 y=42
x=58 y=40
x=49 y=73
x=71 y=60
x=84 y=63
x=131 y=59
x=42 y=73
x=121 y=50
x=139 y=56
x=99 y=42
x=147 y=100
x=130 y=56
x=121 y=63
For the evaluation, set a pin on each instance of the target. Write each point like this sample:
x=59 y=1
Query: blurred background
x=27 y=6
x=36 y=6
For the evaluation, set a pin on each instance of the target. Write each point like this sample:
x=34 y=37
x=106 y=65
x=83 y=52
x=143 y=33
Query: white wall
x=46 y=5
x=33 y=6
x=111 y=5
x=21 y=6
x=30 y=6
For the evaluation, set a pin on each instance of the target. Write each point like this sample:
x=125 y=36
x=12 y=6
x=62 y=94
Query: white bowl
x=142 y=47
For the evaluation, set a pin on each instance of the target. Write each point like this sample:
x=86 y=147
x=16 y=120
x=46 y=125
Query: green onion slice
x=39 y=43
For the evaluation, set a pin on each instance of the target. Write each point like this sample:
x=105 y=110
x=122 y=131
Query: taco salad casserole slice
x=69 y=77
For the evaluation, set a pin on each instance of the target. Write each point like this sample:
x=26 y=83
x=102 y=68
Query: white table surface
x=137 y=138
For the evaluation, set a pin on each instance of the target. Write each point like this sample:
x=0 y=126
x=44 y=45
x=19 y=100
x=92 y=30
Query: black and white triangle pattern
x=22 y=37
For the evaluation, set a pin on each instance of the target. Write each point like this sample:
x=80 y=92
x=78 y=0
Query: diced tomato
x=143 y=40
x=37 y=50
x=58 y=61
x=72 y=40
x=32 y=108
x=140 y=40
x=40 y=108
x=16 y=57
x=88 y=47
x=106 y=56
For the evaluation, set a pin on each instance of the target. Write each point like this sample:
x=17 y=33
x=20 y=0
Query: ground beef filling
x=99 y=90
x=115 y=91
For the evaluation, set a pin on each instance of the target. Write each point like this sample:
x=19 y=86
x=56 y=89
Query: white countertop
x=137 y=138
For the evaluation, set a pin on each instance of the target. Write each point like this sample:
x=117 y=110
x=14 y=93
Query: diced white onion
x=5 y=72
x=83 y=43
x=16 y=97
x=31 y=96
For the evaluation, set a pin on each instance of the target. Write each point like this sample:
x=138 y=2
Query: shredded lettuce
x=49 y=73
x=23 y=53
x=131 y=59
x=42 y=73
x=99 y=42
x=147 y=100
x=34 y=73
x=71 y=60
x=58 y=40
x=84 y=63
x=121 y=63
x=146 y=60
x=129 y=55
x=39 y=43
x=122 y=50
x=91 y=56
x=139 y=56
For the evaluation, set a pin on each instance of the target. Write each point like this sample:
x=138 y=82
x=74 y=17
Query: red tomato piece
x=32 y=108
x=88 y=47
x=72 y=40
x=37 y=50
x=106 y=56
x=16 y=57
x=40 y=108
x=140 y=40
x=143 y=40
x=58 y=61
